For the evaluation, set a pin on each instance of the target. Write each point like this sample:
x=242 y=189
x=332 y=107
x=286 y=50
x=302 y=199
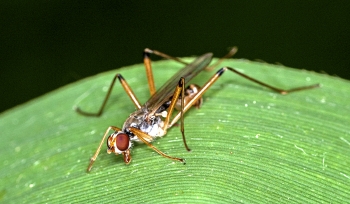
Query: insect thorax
x=152 y=126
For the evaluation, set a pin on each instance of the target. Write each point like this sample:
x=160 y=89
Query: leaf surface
x=248 y=143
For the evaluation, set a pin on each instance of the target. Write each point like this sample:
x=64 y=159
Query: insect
x=153 y=118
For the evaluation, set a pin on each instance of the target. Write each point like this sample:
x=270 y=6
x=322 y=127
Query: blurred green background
x=47 y=44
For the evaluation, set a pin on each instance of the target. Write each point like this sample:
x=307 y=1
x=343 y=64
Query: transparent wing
x=188 y=72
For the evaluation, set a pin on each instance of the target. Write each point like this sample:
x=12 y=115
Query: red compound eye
x=122 y=141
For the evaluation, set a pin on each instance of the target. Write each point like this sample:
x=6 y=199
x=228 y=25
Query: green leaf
x=248 y=143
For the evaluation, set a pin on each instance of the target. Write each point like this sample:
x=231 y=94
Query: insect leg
x=141 y=135
x=180 y=89
x=212 y=80
x=93 y=158
x=149 y=73
x=127 y=90
x=228 y=55
x=160 y=54
x=279 y=90
x=148 y=66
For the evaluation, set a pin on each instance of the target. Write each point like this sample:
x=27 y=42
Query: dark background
x=47 y=44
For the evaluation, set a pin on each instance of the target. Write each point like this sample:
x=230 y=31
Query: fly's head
x=119 y=143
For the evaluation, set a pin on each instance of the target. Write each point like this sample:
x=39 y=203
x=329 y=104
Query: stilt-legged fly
x=154 y=118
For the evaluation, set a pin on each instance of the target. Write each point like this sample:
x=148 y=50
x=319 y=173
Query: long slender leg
x=182 y=116
x=127 y=89
x=279 y=90
x=149 y=73
x=141 y=135
x=93 y=158
x=161 y=54
x=212 y=80
x=179 y=89
x=148 y=66
x=228 y=55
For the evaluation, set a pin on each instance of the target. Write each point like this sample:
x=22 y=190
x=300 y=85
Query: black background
x=47 y=44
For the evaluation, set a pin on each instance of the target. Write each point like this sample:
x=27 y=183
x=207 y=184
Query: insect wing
x=190 y=71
